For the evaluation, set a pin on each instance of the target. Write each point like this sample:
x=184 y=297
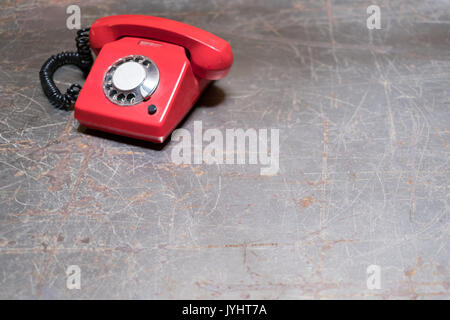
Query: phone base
x=158 y=115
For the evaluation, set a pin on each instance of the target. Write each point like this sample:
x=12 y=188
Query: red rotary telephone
x=148 y=74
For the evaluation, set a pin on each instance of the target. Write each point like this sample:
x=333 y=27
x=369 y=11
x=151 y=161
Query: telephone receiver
x=148 y=74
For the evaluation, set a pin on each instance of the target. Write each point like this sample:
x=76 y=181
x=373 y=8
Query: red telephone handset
x=148 y=74
x=211 y=56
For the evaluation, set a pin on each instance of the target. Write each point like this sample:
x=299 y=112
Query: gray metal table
x=364 y=161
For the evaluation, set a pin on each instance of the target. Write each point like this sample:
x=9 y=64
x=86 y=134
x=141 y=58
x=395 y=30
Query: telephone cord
x=82 y=59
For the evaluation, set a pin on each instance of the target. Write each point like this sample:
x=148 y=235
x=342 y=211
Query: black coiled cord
x=82 y=59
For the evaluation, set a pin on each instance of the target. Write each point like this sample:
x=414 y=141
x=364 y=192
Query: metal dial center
x=128 y=76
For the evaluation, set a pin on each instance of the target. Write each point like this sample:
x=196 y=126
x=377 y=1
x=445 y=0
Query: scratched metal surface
x=364 y=161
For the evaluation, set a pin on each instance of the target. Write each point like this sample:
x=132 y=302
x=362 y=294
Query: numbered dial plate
x=131 y=80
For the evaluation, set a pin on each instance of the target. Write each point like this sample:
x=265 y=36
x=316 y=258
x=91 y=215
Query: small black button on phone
x=152 y=109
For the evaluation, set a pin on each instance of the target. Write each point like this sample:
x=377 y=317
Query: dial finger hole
x=121 y=97
x=131 y=97
x=112 y=93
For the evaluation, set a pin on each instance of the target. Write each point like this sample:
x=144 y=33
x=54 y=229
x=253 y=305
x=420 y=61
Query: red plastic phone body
x=181 y=81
